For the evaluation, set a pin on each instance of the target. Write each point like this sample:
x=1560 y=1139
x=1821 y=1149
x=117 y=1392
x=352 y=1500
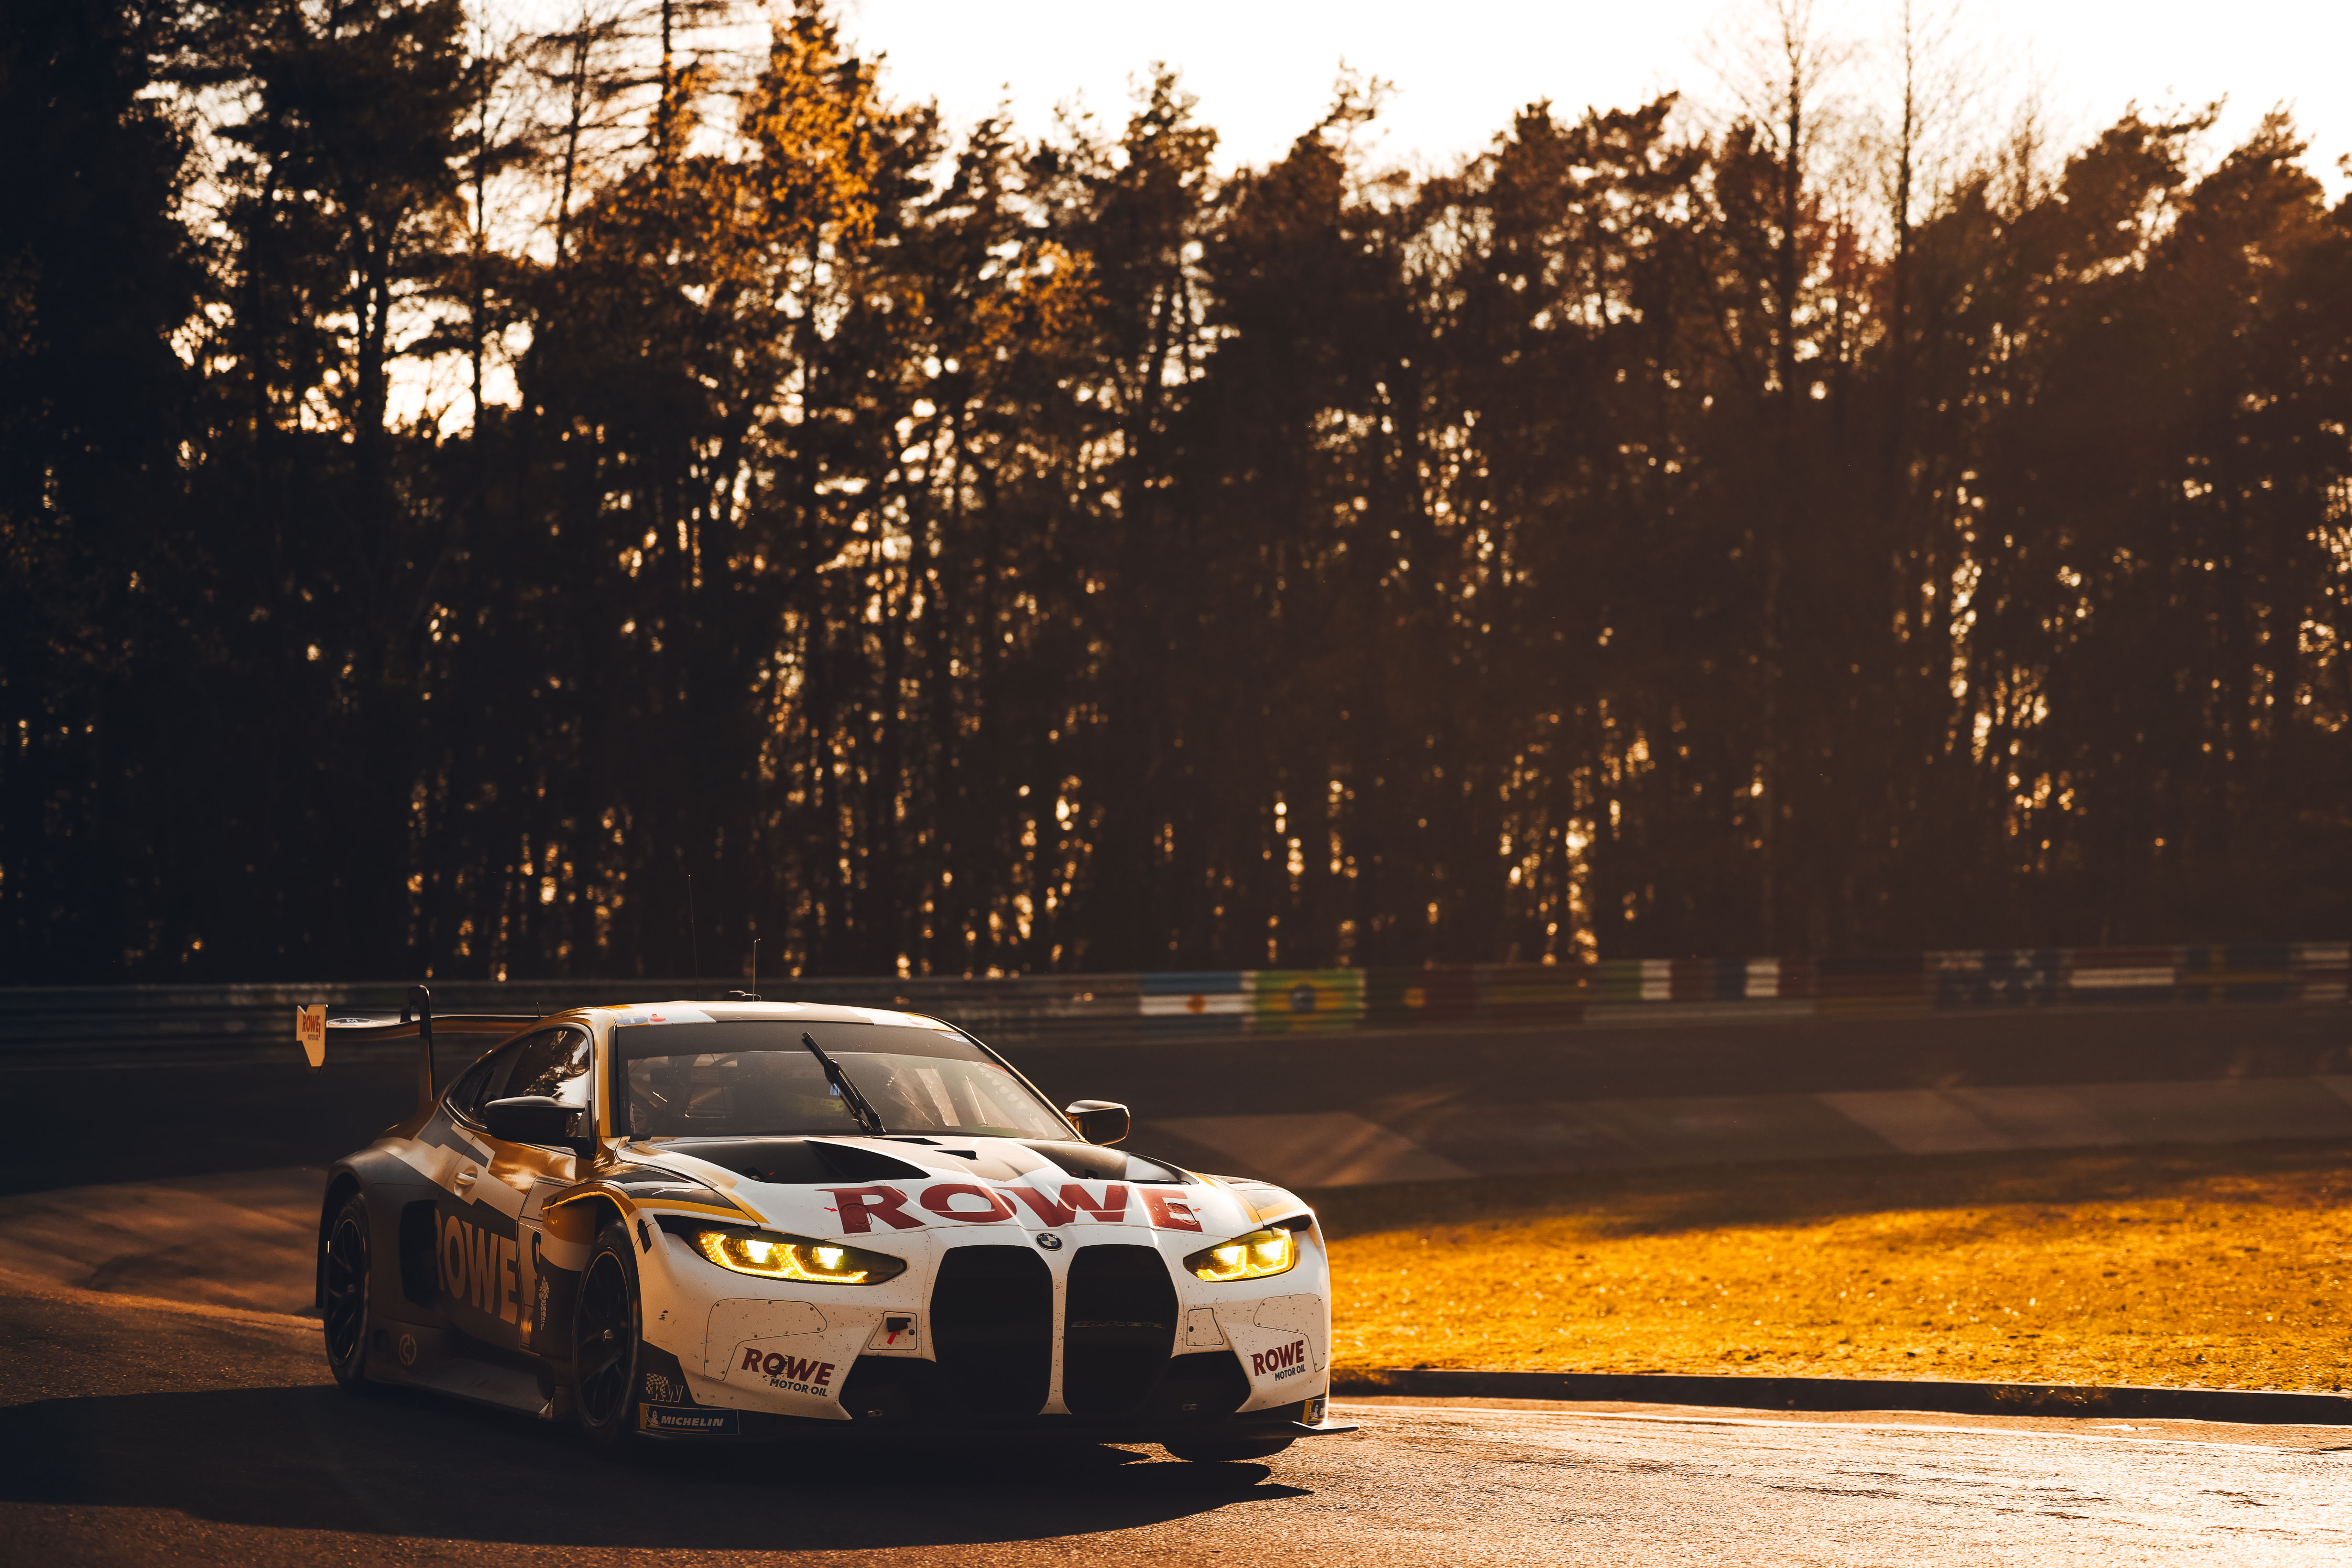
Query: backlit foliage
x=458 y=488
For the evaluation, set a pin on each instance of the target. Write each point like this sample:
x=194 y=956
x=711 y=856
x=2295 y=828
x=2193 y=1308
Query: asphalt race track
x=140 y=1432
x=203 y=1429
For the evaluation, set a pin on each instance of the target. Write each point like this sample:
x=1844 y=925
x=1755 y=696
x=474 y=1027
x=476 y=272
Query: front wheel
x=343 y=1289
x=1211 y=1450
x=605 y=1340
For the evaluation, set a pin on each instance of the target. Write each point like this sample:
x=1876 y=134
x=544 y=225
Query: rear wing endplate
x=313 y=1024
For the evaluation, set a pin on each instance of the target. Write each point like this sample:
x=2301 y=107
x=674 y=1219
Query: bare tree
x=1782 y=73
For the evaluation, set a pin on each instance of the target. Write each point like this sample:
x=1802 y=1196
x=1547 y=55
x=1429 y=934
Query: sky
x=1264 y=70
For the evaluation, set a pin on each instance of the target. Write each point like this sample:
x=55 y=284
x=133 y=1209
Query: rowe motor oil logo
x=791 y=1374
x=477 y=1267
x=861 y=1208
x=1287 y=1362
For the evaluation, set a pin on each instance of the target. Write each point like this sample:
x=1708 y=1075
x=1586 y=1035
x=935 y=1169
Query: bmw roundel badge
x=1049 y=1241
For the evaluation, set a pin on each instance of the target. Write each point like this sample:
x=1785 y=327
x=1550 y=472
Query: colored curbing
x=1840 y=1393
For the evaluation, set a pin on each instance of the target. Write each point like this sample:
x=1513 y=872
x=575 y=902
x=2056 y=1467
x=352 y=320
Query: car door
x=488 y=1242
x=554 y=1063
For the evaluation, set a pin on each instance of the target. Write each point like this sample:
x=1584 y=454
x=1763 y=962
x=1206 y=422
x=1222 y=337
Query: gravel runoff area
x=2187 y=1266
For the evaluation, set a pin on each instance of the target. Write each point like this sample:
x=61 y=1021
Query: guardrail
x=53 y=1025
x=1627 y=991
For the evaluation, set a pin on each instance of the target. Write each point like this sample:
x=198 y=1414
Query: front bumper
x=1108 y=1340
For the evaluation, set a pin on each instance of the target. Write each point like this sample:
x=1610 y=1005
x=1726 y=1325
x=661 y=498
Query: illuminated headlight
x=1252 y=1256
x=796 y=1257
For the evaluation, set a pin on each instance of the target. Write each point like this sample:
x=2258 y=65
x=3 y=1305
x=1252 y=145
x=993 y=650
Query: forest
x=484 y=502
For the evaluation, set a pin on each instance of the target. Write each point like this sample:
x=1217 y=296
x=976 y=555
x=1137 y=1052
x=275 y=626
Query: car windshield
x=741 y=1079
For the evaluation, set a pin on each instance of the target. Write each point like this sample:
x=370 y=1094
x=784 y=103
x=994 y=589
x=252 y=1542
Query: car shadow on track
x=393 y=1464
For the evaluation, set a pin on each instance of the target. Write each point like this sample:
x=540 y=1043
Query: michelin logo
x=698 y=1423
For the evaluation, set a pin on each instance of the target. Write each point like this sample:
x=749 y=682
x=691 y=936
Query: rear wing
x=417 y=1022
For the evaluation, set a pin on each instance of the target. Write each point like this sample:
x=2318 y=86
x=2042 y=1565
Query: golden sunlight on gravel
x=2223 y=1267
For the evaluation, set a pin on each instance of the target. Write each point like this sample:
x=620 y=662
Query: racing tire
x=605 y=1327
x=344 y=1293
x=1214 y=1451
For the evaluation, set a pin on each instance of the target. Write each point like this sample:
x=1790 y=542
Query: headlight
x=1252 y=1257
x=796 y=1257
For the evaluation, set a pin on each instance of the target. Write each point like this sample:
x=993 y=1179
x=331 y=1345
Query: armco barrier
x=50 y=1025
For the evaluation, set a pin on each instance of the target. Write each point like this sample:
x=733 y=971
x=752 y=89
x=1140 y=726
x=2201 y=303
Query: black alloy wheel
x=605 y=1340
x=1213 y=1450
x=345 y=1283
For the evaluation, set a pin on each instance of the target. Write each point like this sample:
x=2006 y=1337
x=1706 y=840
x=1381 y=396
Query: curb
x=1842 y=1394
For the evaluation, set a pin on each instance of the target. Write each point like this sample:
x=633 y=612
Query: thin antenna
x=693 y=930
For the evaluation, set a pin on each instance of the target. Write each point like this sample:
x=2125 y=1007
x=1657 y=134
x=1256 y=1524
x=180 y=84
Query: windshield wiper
x=844 y=1087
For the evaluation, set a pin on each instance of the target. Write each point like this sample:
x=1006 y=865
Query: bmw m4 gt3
x=745 y=1220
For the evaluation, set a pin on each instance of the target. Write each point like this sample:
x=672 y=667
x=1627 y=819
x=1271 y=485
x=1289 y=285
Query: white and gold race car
x=745 y=1220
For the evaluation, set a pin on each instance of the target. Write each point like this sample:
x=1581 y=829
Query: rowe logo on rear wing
x=312 y=1025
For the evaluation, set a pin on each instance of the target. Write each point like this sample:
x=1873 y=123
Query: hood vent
x=797 y=1161
x=1092 y=1163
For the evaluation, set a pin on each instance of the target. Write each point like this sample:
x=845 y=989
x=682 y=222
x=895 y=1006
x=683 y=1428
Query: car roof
x=688 y=1011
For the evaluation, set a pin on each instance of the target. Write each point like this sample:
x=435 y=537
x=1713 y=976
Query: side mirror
x=1100 y=1121
x=538 y=1119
